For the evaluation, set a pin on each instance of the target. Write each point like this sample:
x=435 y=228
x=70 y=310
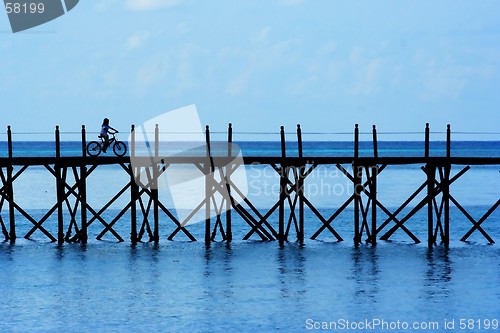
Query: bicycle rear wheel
x=94 y=148
x=120 y=148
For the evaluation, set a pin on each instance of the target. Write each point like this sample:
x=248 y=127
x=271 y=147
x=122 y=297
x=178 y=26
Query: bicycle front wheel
x=94 y=148
x=120 y=148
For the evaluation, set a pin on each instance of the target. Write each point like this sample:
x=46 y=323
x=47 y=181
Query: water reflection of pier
x=148 y=214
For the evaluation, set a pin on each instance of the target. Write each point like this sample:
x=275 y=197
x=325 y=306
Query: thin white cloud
x=291 y=2
x=137 y=39
x=150 y=4
x=181 y=29
x=444 y=78
x=327 y=48
x=103 y=5
x=366 y=72
x=263 y=34
x=443 y=83
x=150 y=73
x=238 y=84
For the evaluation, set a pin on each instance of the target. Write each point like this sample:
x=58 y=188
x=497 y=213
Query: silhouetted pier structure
x=148 y=215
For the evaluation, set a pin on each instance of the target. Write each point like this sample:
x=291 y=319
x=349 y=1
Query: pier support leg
x=446 y=188
x=431 y=174
x=60 y=181
x=156 y=227
x=83 y=190
x=61 y=176
x=10 y=193
x=229 y=231
x=134 y=195
x=83 y=200
x=154 y=190
x=357 y=172
x=446 y=198
x=283 y=189
x=300 y=193
x=208 y=171
x=208 y=185
x=10 y=189
x=134 y=189
x=281 y=221
x=373 y=192
x=300 y=186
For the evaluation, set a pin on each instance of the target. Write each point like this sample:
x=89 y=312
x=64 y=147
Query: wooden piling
x=154 y=190
x=208 y=185
x=357 y=184
x=83 y=190
x=430 y=171
x=373 y=192
x=356 y=141
x=448 y=141
x=10 y=188
x=373 y=189
x=427 y=140
x=283 y=189
x=59 y=189
x=446 y=187
x=229 y=231
x=300 y=186
x=134 y=190
x=431 y=174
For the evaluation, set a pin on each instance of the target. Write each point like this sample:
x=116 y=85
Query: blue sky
x=259 y=64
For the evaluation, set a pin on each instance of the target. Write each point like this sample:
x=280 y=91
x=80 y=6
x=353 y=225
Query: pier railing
x=223 y=197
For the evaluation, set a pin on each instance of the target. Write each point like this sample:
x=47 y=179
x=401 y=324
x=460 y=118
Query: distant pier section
x=223 y=199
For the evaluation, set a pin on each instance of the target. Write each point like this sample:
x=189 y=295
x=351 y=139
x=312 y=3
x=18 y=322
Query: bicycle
x=94 y=148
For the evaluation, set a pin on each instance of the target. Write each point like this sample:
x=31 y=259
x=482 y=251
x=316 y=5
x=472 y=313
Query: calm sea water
x=254 y=286
x=311 y=148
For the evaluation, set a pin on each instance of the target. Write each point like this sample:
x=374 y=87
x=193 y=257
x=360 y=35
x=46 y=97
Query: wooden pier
x=148 y=214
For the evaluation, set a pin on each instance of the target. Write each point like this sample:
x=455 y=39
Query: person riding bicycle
x=105 y=131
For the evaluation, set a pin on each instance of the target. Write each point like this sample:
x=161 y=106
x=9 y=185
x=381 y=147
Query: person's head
x=105 y=121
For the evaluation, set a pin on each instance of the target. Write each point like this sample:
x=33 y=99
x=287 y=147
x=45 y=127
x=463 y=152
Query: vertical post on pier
x=431 y=174
x=448 y=141
x=299 y=140
x=207 y=169
x=134 y=190
x=430 y=171
x=83 y=190
x=373 y=192
x=154 y=190
x=356 y=141
x=10 y=188
x=229 y=231
x=446 y=187
x=427 y=140
x=282 y=140
x=283 y=184
x=59 y=189
x=373 y=188
x=357 y=185
x=300 y=186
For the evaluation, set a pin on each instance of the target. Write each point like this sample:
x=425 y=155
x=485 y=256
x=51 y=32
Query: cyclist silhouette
x=105 y=131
